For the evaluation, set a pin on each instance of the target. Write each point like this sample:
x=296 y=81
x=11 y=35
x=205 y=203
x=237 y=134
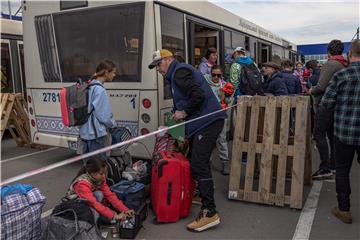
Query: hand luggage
x=172 y=187
x=132 y=194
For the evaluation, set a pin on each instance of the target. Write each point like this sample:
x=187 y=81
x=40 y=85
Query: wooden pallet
x=7 y=102
x=277 y=148
x=14 y=118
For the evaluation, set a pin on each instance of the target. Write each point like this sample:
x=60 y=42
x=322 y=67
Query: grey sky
x=301 y=22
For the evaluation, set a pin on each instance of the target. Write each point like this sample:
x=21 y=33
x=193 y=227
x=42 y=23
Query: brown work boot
x=204 y=220
x=344 y=216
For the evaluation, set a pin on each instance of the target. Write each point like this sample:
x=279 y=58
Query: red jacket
x=84 y=190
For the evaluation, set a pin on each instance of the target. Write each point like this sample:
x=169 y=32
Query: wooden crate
x=274 y=133
x=14 y=117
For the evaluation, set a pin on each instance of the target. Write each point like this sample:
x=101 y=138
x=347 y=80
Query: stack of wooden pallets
x=14 y=117
x=271 y=158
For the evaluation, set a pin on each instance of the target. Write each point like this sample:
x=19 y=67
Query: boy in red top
x=90 y=184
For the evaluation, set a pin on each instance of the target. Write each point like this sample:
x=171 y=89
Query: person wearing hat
x=193 y=98
x=239 y=56
x=274 y=85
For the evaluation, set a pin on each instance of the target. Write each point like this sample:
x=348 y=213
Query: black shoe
x=322 y=174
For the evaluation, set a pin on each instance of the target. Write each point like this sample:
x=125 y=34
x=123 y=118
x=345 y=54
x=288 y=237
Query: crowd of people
x=334 y=90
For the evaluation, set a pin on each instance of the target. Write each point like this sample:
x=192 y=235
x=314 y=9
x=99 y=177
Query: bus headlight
x=145 y=117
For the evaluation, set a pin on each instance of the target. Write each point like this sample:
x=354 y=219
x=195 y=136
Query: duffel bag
x=132 y=194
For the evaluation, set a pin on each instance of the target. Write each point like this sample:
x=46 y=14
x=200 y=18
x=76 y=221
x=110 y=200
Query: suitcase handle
x=160 y=166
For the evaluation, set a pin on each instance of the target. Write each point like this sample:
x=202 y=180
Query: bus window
x=6 y=74
x=277 y=53
x=86 y=37
x=172 y=37
x=227 y=42
x=238 y=40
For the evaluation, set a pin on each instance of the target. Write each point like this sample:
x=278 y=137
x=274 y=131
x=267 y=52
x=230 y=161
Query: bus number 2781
x=51 y=97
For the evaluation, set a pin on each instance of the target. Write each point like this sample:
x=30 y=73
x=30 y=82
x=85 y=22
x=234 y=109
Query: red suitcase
x=172 y=187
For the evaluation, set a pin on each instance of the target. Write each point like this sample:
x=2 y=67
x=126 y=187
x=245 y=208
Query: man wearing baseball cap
x=192 y=99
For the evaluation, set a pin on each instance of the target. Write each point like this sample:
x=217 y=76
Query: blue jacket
x=102 y=114
x=181 y=100
x=276 y=85
x=292 y=82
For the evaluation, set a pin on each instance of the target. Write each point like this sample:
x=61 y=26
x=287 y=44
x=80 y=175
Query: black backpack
x=251 y=80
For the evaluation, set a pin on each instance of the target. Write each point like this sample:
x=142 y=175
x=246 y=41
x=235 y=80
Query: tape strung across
x=105 y=149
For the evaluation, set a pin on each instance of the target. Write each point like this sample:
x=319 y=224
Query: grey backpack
x=74 y=102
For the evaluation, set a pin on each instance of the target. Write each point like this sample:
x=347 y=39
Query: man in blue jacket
x=292 y=82
x=274 y=85
x=193 y=98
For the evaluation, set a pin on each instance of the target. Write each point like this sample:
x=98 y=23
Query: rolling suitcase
x=172 y=187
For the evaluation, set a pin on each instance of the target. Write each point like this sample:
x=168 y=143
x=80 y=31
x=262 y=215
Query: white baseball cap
x=239 y=49
x=158 y=55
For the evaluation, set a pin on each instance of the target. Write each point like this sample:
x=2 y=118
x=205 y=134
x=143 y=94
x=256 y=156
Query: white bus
x=12 y=57
x=65 y=40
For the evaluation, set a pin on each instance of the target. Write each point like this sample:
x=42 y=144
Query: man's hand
x=179 y=115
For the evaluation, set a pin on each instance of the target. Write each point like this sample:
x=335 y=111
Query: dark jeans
x=92 y=145
x=202 y=145
x=344 y=155
x=324 y=127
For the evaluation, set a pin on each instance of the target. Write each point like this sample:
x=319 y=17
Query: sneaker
x=344 y=216
x=204 y=220
x=322 y=174
x=225 y=170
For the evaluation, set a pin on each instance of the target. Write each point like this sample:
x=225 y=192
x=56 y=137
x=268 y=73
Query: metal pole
x=9 y=5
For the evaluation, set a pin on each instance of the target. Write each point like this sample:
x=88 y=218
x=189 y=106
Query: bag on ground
x=132 y=194
x=172 y=187
x=21 y=215
x=73 y=220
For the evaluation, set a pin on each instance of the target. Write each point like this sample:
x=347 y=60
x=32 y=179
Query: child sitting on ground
x=90 y=184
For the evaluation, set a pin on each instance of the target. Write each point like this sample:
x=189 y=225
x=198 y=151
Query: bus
x=12 y=57
x=65 y=40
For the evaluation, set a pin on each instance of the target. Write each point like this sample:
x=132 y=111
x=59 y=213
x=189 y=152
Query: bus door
x=263 y=52
x=201 y=36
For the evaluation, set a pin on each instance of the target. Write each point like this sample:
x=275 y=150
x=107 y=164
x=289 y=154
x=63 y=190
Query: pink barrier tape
x=105 y=149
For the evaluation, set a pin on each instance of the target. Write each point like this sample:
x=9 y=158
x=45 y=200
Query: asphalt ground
x=239 y=220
